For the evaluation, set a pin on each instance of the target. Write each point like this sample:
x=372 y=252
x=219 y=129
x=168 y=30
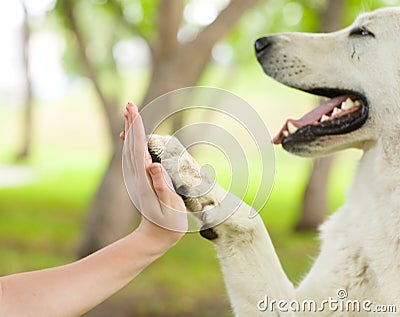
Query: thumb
x=161 y=181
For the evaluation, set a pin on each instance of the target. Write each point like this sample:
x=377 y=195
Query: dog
x=358 y=69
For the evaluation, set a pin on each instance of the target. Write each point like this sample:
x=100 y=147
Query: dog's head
x=358 y=68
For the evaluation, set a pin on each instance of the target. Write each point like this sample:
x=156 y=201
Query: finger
x=122 y=135
x=128 y=159
x=132 y=114
x=139 y=144
x=129 y=115
x=167 y=178
x=130 y=109
x=172 y=207
x=126 y=116
x=160 y=183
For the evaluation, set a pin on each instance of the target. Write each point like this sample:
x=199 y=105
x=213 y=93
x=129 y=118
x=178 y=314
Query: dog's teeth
x=285 y=133
x=336 y=111
x=324 y=118
x=292 y=128
x=348 y=104
x=357 y=103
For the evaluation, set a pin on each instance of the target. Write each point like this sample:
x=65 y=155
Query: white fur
x=360 y=250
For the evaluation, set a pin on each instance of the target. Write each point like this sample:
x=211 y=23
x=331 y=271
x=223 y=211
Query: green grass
x=43 y=220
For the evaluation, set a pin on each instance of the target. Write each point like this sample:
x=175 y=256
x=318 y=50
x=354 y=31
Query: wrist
x=157 y=240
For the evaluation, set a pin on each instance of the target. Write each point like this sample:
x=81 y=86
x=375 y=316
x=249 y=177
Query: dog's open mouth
x=341 y=114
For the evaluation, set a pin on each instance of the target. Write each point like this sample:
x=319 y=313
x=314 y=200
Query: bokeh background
x=68 y=67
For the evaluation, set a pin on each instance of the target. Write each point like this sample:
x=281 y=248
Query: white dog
x=357 y=271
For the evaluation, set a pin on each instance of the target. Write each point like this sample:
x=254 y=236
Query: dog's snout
x=262 y=43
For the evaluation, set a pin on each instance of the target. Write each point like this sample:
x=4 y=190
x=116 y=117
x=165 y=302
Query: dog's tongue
x=312 y=117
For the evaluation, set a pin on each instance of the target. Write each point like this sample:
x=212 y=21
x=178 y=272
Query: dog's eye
x=361 y=31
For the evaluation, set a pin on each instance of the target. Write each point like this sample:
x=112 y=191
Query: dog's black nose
x=262 y=43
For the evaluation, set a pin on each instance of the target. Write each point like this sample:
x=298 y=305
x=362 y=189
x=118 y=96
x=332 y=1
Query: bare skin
x=73 y=289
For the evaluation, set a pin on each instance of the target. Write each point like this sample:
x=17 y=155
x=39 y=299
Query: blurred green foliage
x=105 y=23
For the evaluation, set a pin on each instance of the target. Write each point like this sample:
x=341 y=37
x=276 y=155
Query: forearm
x=73 y=289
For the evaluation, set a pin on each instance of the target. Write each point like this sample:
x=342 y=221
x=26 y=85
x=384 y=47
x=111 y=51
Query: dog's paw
x=203 y=196
x=194 y=185
x=201 y=193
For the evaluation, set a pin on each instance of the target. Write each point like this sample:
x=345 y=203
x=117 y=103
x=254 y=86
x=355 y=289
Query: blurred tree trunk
x=28 y=101
x=175 y=65
x=111 y=212
x=314 y=201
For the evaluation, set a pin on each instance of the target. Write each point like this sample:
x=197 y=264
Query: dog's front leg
x=254 y=277
x=255 y=280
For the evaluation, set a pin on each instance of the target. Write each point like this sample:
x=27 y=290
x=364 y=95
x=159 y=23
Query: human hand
x=163 y=211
